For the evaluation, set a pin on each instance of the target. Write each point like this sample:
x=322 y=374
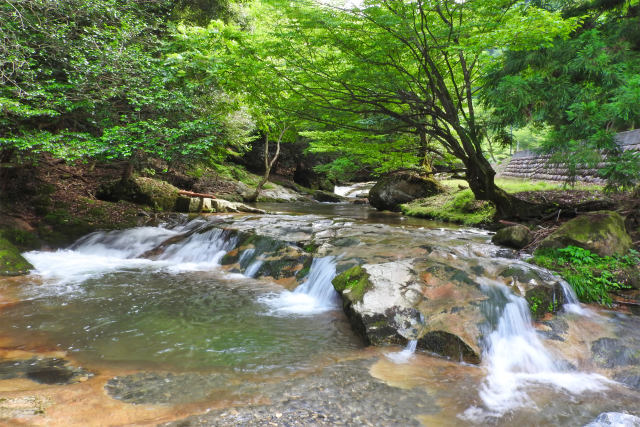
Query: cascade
x=515 y=358
x=404 y=355
x=315 y=295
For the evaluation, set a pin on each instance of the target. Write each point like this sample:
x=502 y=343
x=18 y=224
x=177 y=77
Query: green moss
x=352 y=283
x=452 y=206
x=22 y=239
x=12 y=263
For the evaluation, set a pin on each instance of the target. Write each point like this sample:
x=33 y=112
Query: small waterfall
x=404 y=355
x=315 y=295
x=516 y=358
x=200 y=249
x=253 y=268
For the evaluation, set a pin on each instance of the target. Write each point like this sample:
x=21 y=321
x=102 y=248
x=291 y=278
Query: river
x=154 y=325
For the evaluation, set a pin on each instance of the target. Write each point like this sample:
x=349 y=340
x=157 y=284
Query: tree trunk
x=268 y=165
x=480 y=176
x=127 y=171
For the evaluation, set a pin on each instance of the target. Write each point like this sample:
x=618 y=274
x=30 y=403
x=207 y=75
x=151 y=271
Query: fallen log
x=192 y=194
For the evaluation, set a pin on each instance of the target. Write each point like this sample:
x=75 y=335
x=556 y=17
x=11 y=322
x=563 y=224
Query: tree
x=586 y=88
x=418 y=63
x=92 y=79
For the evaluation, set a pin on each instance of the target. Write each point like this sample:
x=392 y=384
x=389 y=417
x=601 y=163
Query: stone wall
x=528 y=164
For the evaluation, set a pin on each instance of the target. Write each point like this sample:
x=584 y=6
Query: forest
x=222 y=211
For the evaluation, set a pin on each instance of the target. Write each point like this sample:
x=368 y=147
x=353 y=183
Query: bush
x=591 y=276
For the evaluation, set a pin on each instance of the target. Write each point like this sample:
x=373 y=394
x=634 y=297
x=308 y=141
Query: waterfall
x=315 y=295
x=404 y=355
x=515 y=358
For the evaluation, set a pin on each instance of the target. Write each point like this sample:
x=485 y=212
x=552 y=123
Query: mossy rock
x=601 y=232
x=401 y=187
x=352 y=283
x=158 y=194
x=544 y=299
x=515 y=236
x=12 y=263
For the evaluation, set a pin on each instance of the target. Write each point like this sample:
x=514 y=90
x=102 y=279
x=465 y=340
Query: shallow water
x=175 y=329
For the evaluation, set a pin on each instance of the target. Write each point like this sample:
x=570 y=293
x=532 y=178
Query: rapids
x=159 y=319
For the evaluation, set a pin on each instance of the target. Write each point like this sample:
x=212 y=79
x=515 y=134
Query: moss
x=22 y=239
x=453 y=206
x=12 y=263
x=354 y=280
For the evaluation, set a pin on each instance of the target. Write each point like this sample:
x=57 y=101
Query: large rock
x=144 y=191
x=601 y=232
x=12 y=263
x=389 y=304
x=515 y=236
x=401 y=187
x=326 y=196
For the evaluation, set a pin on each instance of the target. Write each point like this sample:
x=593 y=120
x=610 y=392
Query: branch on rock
x=192 y=194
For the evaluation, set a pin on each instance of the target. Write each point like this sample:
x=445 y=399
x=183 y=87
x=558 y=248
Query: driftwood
x=192 y=194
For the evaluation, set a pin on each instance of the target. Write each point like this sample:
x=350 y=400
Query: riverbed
x=149 y=326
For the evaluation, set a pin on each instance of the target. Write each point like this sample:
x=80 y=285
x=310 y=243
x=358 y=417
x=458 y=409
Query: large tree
x=586 y=88
x=418 y=63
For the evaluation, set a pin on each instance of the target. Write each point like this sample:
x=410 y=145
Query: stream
x=197 y=322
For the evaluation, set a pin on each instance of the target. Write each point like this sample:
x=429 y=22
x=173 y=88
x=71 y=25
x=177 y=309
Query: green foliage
x=586 y=88
x=591 y=276
x=95 y=79
x=623 y=173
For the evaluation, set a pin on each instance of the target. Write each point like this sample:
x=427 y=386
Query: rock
x=541 y=289
x=616 y=419
x=389 y=304
x=12 y=263
x=515 y=236
x=144 y=191
x=43 y=370
x=401 y=187
x=601 y=232
x=612 y=353
x=325 y=196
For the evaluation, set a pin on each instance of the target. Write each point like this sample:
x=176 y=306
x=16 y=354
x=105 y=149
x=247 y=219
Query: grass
x=458 y=204
x=454 y=205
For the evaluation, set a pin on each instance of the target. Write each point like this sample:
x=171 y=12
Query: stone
x=601 y=232
x=388 y=303
x=616 y=419
x=221 y=205
x=158 y=194
x=326 y=196
x=515 y=236
x=612 y=353
x=12 y=263
x=401 y=187
x=188 y=204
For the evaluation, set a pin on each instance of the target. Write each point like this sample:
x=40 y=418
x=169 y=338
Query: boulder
x=326 y=196
x=389 y=304
x=12 y=263
x=401 y=187
x=542 y=290
x=601 y=232
x=158 y=194
x=515 y=236
x=206 y=204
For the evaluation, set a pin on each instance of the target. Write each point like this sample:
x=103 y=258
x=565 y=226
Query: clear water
x=112 y=302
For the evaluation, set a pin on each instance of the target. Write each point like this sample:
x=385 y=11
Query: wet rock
x=612 y=353
x=325 y=196
x=164 y=388
x=342 y=394
x=515 y=236
x=395 y=189
x=616 y=419
x=389 y=304
x=629 y=377
x=542 y=290
x=601 y=232
x=12 y=263
x=43 y=371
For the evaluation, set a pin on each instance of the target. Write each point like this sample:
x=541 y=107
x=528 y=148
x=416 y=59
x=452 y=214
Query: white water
x=315 y=295
x=354 y=189
x=103 y=252
x=405 y=355
x=515 y=358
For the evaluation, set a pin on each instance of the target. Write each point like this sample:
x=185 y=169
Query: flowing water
x=159 y=322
